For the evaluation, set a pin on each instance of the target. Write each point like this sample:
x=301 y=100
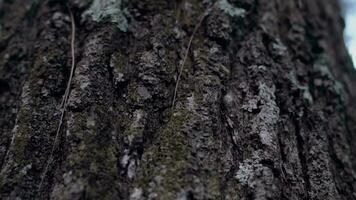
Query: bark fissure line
x=64 y=100
x=302 y=159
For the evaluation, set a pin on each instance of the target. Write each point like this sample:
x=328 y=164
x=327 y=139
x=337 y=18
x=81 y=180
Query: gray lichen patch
x=108 y=9
x=246 y=172
x=278 y=48
x=257 y=177
x=250 y=105
x=296 y=85
x=269 y=115
x=137 y=194
x=327 y=79
x=230 y=9
x=321 y=66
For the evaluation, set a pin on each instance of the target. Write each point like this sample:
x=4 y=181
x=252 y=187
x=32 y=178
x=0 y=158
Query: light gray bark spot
x=108 y=9
x=230 y=9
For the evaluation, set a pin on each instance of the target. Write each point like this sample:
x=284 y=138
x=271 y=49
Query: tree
x=184 y=99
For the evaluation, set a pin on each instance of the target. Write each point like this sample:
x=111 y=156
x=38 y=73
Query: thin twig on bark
x=64 y=100
x=202 y=17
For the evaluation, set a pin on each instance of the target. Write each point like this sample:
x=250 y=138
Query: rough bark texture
x=264 y=110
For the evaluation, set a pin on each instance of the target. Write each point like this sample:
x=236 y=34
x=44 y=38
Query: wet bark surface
x=264 y=109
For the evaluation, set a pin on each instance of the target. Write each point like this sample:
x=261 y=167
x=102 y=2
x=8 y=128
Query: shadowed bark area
x=264 y=109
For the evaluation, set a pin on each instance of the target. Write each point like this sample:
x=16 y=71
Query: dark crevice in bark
x=281 y=145
x=302 y=158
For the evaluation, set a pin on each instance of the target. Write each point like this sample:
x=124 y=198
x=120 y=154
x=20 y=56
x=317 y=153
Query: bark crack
x=302 y=158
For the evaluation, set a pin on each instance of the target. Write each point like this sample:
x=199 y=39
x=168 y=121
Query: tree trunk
x=264 y=105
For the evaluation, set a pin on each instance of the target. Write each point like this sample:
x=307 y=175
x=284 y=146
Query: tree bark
x=264 y=106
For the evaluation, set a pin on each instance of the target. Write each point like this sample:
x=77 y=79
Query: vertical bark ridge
x=16 y=58
x=37 y=116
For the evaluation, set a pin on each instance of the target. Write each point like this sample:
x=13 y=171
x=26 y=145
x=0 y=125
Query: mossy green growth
x=134 y=126
x=22 y=136
x=39 y=68
x=213 y=185
x=108 y=9
x=119 y=63
x=133 y=95
x=169 y=157
x=93 y=158
x=180 y=12
x=1 y=31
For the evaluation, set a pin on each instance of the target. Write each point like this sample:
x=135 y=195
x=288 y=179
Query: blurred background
x=349 y=11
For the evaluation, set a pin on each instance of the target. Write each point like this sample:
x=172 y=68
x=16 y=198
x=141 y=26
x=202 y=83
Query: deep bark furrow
x=302 y=158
